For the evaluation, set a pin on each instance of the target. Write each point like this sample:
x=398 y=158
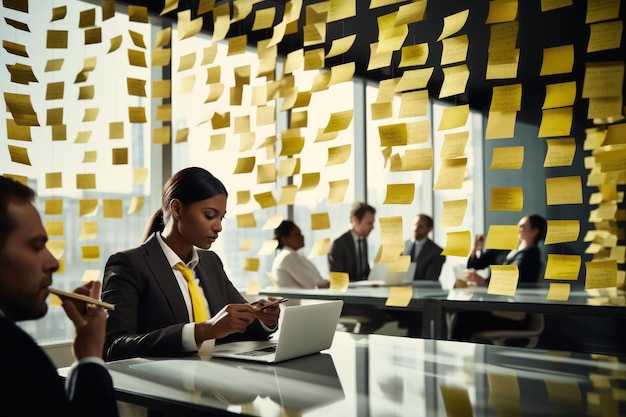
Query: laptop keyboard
x=259 y=352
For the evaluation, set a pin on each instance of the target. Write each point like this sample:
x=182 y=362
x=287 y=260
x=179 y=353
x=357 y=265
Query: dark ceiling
x=538 y=30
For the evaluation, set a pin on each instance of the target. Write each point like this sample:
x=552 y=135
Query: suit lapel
x=165 y=279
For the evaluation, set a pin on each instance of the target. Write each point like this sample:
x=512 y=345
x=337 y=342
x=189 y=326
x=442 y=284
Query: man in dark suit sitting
x=424 y=252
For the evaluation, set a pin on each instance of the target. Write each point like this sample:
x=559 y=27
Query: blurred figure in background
x=289 y=267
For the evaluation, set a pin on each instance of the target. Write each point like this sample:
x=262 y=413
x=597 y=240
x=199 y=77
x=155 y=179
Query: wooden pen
x=81 y=297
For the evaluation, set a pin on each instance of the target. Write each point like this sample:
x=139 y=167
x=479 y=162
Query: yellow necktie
x=197 y=303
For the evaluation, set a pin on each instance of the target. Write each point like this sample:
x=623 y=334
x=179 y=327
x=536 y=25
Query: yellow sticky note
x=337 y=191
x=268 y=247
x=507 y=98
x=245 y=165
x=451 y=175
x=563 y=267
x=502 y=237
x=453 y=213
x=88 y=230
x=87 y=207
x=502 y=64
x=601 y=274
x=511 y=157
x=454 y=145
x=53 y=206
x=455 y=80
x=507 y=199
x=399 y=296
x=602 y=79
x=556 y=122
x=560 y=95
x=251 y=264
x=454 y=50
x=339 y=121
x=558 y=291
x=400 y=194
x=557 y=60
x=245 y=244
x=393 y=135
x=339 y=281
x=320 y=247
x=453 y=23
x=253 y=288
x=55 y=227
x=112 y=209
x=503 y=280
x=90 y=253
x=265 y=199
x=500 y=125
x=85 y=181
x=564 y=190
x=338 y=155
x=562 y=231
x=320 y=221
x=90 y=275
x=273 y=221
x=136 y=204
x=453 y=117
x=458 y=243
x=288 y=195
x=560 y=152
x=56 y=247
x=246 y=220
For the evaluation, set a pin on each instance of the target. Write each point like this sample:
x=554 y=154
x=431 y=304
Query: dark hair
x=360 y=208
x=538 y=222
x=11 y=189
x=283 y=229
x=187 y=186
x=429 y=220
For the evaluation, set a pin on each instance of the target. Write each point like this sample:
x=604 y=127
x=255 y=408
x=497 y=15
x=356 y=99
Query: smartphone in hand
x=273 y=303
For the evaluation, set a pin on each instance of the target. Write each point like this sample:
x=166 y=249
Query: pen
x=280 y=300
x=80 y=297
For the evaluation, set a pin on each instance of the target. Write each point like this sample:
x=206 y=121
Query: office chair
x=516 y=338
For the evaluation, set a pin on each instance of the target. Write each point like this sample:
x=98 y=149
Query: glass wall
x=226 y=109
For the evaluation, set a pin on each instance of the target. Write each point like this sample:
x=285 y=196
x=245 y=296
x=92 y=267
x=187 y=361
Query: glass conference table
x=380 y=375
x=432 y=306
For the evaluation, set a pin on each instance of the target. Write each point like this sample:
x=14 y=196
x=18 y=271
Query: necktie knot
x=197 y=302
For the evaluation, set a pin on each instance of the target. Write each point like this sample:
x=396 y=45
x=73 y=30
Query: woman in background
x=290 y=268
x=527 y=257
x=171 y=293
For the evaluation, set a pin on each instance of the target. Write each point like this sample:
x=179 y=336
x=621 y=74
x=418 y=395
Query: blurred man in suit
x=348 y=253
x=424 y=252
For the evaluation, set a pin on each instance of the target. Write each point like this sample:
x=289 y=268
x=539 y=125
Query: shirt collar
x=173 y=258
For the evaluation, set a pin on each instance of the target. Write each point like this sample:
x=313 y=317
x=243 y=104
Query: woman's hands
x=235 y=318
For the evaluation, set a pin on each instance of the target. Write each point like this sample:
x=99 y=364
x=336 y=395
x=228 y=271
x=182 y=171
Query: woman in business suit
x=154 y=306
x=527 y=257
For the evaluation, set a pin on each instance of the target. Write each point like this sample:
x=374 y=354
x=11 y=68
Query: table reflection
x=298 y=385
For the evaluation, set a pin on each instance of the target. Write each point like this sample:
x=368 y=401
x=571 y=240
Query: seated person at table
x=289 y=267
x=33 y=386
x=171 y=293
x=527 y=256
x=348 y=253
x=424 y=252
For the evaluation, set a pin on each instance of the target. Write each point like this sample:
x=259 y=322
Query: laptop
x=380 y=276
x=304 y=330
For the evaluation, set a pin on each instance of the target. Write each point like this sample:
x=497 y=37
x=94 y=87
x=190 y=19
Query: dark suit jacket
x=34 y=388
x=429 y=260
x=150 y=310
x=342 y=256
x=528 y=261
